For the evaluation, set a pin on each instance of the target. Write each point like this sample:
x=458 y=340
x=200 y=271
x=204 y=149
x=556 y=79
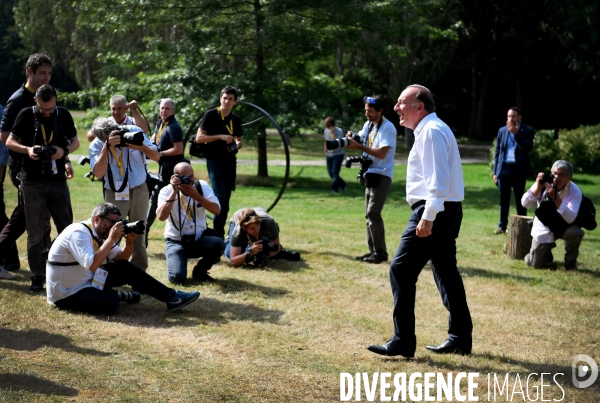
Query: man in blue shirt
x=511 y=164
x=379 y=145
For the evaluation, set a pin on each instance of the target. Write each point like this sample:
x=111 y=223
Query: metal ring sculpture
x=283 y=140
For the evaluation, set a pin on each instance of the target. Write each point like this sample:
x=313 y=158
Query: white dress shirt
x=571 y=200
x=434 y=171
x=185 y=225
x=74 y=244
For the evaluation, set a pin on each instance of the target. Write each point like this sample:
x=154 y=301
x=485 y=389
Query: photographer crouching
x=85 y=262
x=118 y=154
x=558 y=200
x=377 y=170
x=254 y=239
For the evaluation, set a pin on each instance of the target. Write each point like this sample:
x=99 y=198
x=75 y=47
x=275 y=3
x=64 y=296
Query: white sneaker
x=6 y=274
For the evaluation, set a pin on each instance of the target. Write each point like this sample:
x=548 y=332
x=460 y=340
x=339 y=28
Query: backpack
x=586 y=216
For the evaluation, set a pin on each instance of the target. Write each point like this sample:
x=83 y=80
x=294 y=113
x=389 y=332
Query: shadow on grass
x=33 y=339
x=204 y=311
x=474 y=272
x=234 y=285
x=34 y=384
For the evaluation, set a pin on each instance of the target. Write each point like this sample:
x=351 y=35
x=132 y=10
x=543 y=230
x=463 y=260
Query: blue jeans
x=210 y=248
x=334 y=164
x=222 y=179
x=38 y=197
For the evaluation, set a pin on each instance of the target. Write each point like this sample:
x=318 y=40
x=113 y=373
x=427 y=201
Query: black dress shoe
x=374 y=258
x=391 y=349
x=449 y=347
x=361 y=257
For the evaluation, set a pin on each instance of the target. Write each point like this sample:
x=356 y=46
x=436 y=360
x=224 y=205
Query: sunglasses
x=370 y=100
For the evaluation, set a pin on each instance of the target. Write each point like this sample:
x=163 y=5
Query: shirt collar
x=423 y=122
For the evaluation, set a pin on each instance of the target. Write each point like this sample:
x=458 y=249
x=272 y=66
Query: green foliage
x=545 y=151
x=581 y=147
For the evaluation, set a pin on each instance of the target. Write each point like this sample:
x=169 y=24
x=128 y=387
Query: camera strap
x=111 y=181
x=371 y=139
x=37 y=126
x=189 y=211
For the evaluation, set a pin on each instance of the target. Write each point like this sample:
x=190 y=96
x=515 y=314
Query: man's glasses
x=370 y=100
x=49 y=110
x=112 y=222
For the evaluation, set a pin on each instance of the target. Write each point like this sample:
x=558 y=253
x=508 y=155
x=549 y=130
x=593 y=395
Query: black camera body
x=233 y=148
x=260 y=259
x=548 y=178
x=128 y=137
x=365 y=163
x=136 y=227
x=185 y=179
x=343 y=142
x=45 y=153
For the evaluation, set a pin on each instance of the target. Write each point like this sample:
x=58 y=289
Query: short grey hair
x=563 y=164
x=168 y=101
x=424 y=95
x=119 y=99
x=104 y=209
x=102 y=127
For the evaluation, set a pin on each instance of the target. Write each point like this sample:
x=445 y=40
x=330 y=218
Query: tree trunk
x=261 y=138
x=519 y=237
x=263 y=171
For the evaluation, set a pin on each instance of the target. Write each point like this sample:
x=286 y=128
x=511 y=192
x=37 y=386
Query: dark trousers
x=14 y=228
x=510 y=178
x=334 y=164
x=222 y=179
x=95 y=301
x=440 y=250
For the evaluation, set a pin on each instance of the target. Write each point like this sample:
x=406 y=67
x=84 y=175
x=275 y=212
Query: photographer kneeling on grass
x=254 y=238
x=183 y=206
x=85 y=262
x=558 y=201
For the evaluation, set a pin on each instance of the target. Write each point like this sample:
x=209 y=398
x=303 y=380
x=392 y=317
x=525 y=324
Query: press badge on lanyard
x=124 y=194
x=54 y=169
x=99 y=278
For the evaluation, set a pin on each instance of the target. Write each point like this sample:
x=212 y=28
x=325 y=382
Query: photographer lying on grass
x=254 y=237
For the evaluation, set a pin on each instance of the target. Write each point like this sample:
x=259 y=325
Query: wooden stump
x=519 y=237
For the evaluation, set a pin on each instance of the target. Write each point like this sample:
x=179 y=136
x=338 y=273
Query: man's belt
x=416 y=205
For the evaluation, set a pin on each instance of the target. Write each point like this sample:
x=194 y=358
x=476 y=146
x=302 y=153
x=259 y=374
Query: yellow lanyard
x=372 y=138
x=46 y=141
x=564 y=192
x=230 y=127
x=29 y=88
x=161 y=130
x=187 y=208
x=118 y=158
x=88 y=224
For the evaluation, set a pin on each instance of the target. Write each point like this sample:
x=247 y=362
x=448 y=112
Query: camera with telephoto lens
x=548 y=178
x=343 y=142
x=233 y=148
x=185 y=179
x=45 y=153
x=136 y=227
x=260 y=259
x=365 y=163
x=130 y=135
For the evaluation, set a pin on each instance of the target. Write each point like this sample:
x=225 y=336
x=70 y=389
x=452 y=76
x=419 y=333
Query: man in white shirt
x=566 y=197
x=183 y=206
x=434 y=189
x=85 y=262
x=123 y=167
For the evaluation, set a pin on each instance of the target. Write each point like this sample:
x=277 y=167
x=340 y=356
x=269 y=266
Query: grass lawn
x=284 y=333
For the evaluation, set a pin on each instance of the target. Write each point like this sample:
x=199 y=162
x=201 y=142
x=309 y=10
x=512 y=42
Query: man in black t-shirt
x=221 y=130
x=38 y=71
x=168 y=138
x=46 y=134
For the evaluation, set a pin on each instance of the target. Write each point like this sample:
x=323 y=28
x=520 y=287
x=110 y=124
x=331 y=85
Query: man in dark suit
x=511 y=164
